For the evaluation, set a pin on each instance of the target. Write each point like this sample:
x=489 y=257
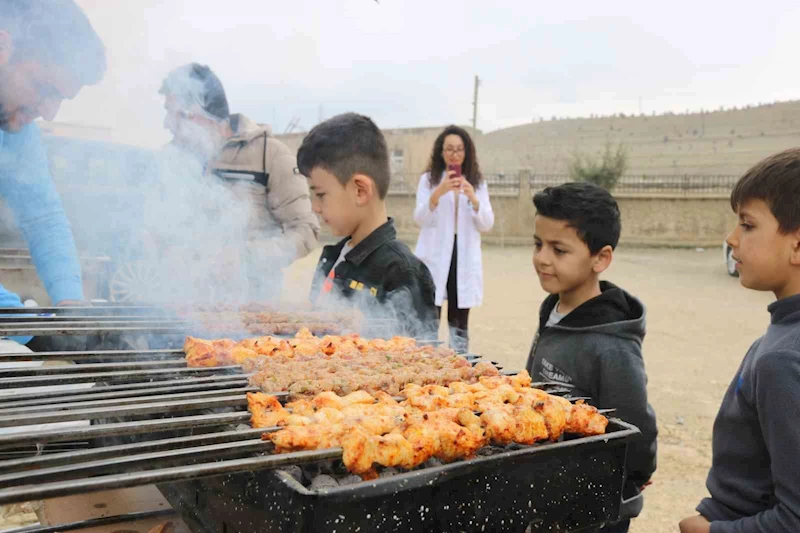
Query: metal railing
x=510 y=184
x=500 y=184
x=662 y=183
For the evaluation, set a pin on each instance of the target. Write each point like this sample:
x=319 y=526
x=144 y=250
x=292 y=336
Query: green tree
x=604 y=171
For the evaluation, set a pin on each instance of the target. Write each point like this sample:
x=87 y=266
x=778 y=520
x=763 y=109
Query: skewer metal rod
x=42 y=450
x=543 y=384
x=69 y=457
x=121 y=428
x=178 y=328
x=47 y=322
x=178 y=473
x=120 y=330
x=97 y=522
x=67 y=310
x=226 y=380
x=121 y=464
x=25 y=409
x=99 y=354
x=138 y=375
x=30 y=317
x=89 y=367
x=121 y=411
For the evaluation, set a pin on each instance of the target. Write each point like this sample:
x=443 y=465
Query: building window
x=397 y=161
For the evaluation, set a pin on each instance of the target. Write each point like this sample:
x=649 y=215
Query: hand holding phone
x=456 y=169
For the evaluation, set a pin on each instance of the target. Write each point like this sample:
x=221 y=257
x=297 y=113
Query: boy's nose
x=732 y=239
x=541 y=254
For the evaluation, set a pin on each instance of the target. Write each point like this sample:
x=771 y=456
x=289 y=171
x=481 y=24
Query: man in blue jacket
x=48 y=52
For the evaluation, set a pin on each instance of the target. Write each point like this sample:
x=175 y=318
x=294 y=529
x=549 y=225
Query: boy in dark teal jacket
x=754 y=481
x=590 y=331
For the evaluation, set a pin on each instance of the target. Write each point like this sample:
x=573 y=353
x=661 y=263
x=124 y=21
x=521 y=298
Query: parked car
x=730 y=263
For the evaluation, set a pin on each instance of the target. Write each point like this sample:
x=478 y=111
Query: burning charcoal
x=350 y=480
x=338 y=468
x=311 y=471
x=295 y=471
x=323 y=482
x=388 y=472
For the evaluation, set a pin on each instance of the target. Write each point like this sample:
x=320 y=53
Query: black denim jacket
x=383 y=278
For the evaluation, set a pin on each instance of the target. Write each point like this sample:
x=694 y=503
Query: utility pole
x=475 y=105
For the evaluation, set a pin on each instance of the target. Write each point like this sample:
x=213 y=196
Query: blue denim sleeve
x=28 y=189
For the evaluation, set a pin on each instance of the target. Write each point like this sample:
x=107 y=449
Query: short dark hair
x=776 y=181
x=346 y=145
x=588 y=208
x=57 y=33
x=197 y=84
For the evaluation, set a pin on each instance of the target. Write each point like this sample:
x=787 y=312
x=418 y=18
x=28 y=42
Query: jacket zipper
x=535 y=342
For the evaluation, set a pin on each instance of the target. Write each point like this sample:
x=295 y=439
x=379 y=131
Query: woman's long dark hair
x=469 y=169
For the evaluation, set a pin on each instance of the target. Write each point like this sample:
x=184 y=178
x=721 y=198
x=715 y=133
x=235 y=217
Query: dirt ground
x=700 y=322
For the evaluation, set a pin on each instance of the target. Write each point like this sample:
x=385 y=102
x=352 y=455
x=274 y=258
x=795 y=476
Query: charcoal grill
x=155 y=421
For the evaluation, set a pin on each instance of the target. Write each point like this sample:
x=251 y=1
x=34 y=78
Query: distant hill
x=718 y=142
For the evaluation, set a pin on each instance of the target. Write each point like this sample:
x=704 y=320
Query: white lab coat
x=436 y=238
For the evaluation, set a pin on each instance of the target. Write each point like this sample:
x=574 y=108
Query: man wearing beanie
x=259 y=170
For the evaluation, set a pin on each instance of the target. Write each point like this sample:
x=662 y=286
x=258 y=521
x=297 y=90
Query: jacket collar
x=374 y=240
x=245 y=130
x=785 y=311
x=613 y=306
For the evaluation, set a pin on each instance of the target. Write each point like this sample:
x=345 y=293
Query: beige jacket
x=279 y=212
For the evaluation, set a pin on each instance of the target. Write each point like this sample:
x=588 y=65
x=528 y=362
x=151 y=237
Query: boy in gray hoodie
x=754 y=481
x=590 y=331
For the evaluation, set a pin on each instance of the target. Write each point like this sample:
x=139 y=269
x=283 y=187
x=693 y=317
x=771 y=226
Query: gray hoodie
x=754 y=480
x=598 y=349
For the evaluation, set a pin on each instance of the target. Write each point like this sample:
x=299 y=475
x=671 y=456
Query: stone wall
x=647 y=219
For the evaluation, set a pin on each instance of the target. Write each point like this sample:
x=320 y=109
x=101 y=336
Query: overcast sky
x=411 y=63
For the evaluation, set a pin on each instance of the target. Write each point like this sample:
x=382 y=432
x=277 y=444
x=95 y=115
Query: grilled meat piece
x=265 y=410
x=522 y=425
x=586 y=421
x=208 y=353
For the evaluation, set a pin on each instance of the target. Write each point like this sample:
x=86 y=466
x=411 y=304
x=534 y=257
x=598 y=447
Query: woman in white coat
x=452 y=210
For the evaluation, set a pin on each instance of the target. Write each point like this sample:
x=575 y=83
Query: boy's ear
x=364 y=187
x=794 y=258
x=602 y=259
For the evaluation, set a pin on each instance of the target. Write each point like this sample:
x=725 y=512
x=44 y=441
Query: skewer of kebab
x=221 y=352
x=376 y=429
x=307 y=365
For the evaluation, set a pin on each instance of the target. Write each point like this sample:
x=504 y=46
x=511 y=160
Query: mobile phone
x=456 y=169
